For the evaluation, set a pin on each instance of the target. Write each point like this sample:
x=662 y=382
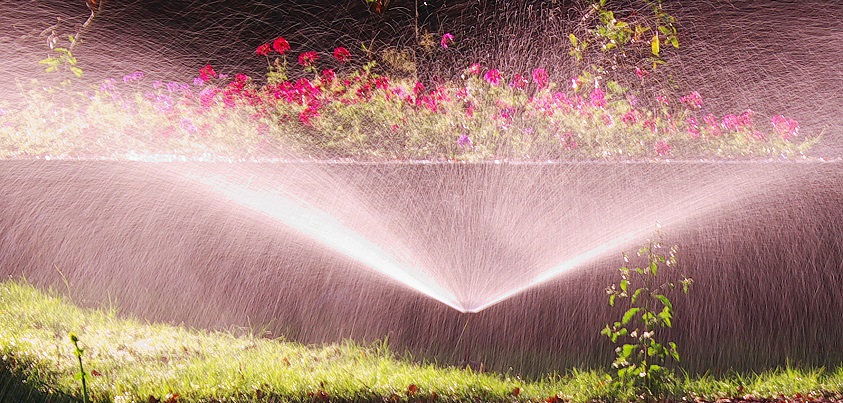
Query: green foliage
x=81 y=375
x=62 y=60
x=625 y=38
x=641 y=363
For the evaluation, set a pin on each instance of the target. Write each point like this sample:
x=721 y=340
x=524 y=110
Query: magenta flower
x=693 y=100
x=207 y=72
x=730 y=122
x=446 y=40
x=642 y=74
x=342 y=54
x=662 y=148
x=328 y=75
x=492 y=76
x=519 y=82
x=787 y=128
x=663 y=99
x=630 y=118
x=307 y=59
x=464 y=141
x=263 y=50
x=474 y=69
x=280 y=45
x=540 y=77
x=693 y=127
x=597 y=98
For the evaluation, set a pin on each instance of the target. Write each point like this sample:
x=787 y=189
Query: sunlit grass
x=129 y=360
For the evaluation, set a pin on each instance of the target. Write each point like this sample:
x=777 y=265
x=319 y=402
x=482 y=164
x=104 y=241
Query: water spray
x=465 y=362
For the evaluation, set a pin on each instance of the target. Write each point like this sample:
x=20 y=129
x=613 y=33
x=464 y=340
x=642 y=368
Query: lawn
x=127 y=360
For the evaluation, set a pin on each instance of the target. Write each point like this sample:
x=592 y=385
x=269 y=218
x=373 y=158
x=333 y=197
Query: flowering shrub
x=338 y=112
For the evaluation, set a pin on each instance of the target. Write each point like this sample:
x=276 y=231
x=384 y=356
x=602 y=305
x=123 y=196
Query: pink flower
x=328 y=75
x=342 y=54
x=662 y=148
x=263 y=50
x=650 y=125
x=474 y=69
x=492 y=76
x=446 y=40
x=307 y=59
x=693 y=100
x=418 y=89
x=540 y=77
x=519 y=82
x=745 y=119
x=597 y=98
x=642 y=74
x=280 y=45
x=663 y=99
x=207 y=72
x=730 y=122
x=693 y=127
x=630 y=118
x=787 y=128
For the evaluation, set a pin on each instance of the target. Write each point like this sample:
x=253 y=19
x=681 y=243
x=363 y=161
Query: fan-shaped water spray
x=509 y=242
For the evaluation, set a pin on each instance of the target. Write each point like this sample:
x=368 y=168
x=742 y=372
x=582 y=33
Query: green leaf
x=655 y=44
x=624 y=284
x=654 y=268
x=612 y=299
x=76 y=71
x=626 y=350
x=51 y=69
x=674 y=41
x=636 y=294
x=630 y=313
x=665 y=301
x=574 y=41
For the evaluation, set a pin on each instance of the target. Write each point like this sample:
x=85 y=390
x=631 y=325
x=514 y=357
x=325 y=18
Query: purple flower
x=446 y=40
x=136 y=76
x=198 y=81
x=464 y=141
x=107 y=85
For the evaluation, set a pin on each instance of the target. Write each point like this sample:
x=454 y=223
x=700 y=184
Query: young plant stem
x=78 y=353
x=96 y=7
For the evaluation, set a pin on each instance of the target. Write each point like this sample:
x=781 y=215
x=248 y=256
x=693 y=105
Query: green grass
x=131 y=361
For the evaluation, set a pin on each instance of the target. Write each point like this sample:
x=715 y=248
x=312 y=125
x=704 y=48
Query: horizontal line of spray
x=328 y=231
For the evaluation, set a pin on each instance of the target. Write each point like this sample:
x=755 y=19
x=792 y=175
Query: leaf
x=654 y=268
x=626 y=350
x=612 y=299
x=655 y=44
x=674 y=41
x=76 y=71
x=574 y=41
x=636 y=294
x=630 y=313
x=664 y=301
x=624 y=284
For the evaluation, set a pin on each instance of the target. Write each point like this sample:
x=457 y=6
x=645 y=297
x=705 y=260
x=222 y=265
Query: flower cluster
x=360 y=114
